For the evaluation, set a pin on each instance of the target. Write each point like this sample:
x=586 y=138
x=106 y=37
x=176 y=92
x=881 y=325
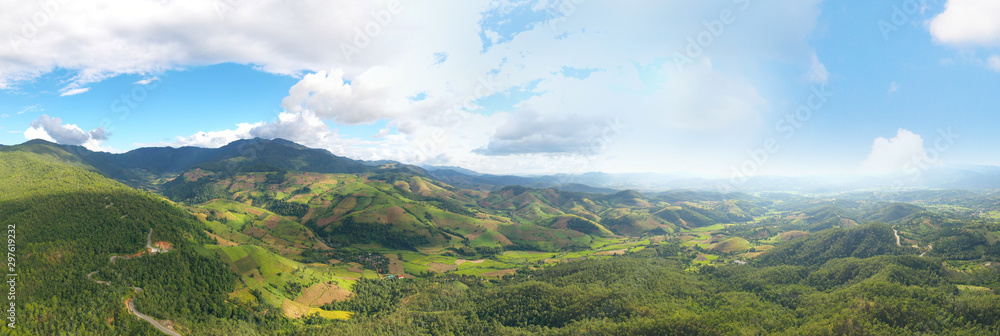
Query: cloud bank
x=457 y=83
x=52 y=129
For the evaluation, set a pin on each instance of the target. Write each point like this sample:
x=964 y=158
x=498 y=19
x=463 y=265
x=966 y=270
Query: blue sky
x=520 y=86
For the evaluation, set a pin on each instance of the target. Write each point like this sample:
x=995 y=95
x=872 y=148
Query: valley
x=270 y=243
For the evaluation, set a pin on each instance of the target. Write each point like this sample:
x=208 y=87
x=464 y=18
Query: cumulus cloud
x=488 y=59
x=367 y=98
x=968 y=22
x=893 y=155
x=301 y=127
x=52 y=129
x=210 y=139
x=532 y=132
x=104 y=38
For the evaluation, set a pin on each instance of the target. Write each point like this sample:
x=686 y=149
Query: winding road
x=154 y=322
x=896 y=233
x=130 y=302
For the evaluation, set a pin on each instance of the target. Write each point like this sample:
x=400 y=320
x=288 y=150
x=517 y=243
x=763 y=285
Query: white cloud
x=817 y=72
x=32 y=108
x=968 y=22
x=211 y=139
x=52 y=129
x=73 y=91
x=893 y=155
x=712 y=101
x=893 y=87
x=104 y=38
x=146 y=81
x=37 y=133
x=369 y=97
x=994 y=62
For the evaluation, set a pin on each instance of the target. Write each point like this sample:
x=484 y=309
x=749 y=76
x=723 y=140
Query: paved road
x=131 y=304
x=91 y=277
x=131 y=309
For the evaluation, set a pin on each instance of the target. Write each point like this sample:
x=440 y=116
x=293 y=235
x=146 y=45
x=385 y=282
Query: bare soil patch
x=462 y=261
x=612 y=252
x=793 y=234
x=308 y=215
x=326 y=221
x=500 y=272
x=272 y=222
x=560 y=223
x=294 y=310
x=442 y=268
x=391 y=215
x=323 y=293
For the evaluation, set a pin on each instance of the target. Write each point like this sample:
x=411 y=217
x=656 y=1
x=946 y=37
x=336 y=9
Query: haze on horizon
x=518 y=87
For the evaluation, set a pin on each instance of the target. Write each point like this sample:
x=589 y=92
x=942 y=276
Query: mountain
x=266 y=237
x=142 y=167
x=69 y=222
x=816 y=249
x=147 y=167
x=459 y=170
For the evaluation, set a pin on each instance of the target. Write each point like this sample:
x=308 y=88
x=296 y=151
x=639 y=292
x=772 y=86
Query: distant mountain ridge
x=138 y=166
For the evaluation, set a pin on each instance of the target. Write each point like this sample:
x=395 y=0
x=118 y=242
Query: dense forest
x=652 y=294
x=69 y=223
x=825 y=266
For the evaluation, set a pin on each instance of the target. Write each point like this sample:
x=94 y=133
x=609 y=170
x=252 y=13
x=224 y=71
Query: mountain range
x=268 y=237
x=141 y=167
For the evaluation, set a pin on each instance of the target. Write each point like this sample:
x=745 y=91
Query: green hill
x=865 y=241
x=70 y=221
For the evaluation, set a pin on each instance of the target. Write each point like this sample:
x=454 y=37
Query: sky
x=714 y=88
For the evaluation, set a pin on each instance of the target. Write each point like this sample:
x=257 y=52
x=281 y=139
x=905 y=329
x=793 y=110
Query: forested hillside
x=650 y=293
x=247 y=247
x=70 y=222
